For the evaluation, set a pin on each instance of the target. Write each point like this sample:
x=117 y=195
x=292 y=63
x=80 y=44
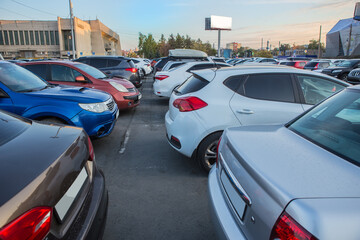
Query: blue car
x=25 y=94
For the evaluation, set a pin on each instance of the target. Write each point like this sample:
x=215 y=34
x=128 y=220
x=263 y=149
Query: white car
x=172 y=64
x=165 y=82
x=142 y=65
x=211 y=100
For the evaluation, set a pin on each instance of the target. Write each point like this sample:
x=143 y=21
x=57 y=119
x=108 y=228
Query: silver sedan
x=298 y=181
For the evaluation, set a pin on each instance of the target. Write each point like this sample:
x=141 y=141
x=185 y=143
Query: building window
x=1 y=38
x=37 y=40
x=67 y=40
x=52 y=38
x=21 y=38
x=56 y=37
x=27 y=37
x=16 y=36
x=32 y=37
x=6 y=37
x=42 y=40
x=11 y=36
x=47 y=37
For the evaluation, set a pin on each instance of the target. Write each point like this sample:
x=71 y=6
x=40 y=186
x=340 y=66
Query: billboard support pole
x=219 y=36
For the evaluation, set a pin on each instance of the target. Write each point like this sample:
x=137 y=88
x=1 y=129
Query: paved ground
x=154 y=192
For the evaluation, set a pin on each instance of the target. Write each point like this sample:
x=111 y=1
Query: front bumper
x=223 y=221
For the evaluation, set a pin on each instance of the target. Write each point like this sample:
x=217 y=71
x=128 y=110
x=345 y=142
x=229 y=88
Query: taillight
x=187 y=104
x=161 y=77
x=316 y=66
x=133 y=70
x=217 y=152
x=91 y=150
x=286 y=228
x=32 y=225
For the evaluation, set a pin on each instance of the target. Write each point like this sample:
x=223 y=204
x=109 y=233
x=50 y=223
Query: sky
x=287 y=21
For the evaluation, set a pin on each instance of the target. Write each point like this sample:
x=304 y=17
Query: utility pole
x=219 y=35
x=262 y=42
x=279 y=49
x=72 y=29
x=319 y=50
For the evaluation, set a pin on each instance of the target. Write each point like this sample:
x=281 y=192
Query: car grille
x=131 y=89
x=110 y=104
x=355 y=74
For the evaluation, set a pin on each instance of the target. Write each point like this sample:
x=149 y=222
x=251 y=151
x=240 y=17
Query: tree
x=171 y=41
x=179 y=41
x=263 y=53
x=314 y=44
x=284 y=47
x=147 y=46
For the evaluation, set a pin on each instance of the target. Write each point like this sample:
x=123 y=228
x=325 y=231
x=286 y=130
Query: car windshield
x=19 y=79
x=94 y=72
x=348 y=63
x=334 y=125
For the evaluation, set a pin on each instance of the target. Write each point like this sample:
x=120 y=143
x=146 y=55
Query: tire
x=206 y=154
x=343 y=76
x=51 y=120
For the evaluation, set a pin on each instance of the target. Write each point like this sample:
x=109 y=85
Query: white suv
x=166 y=81
x=212 y=100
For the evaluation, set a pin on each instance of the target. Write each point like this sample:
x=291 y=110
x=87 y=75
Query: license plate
x=117 y=114
x=63 y=206
x=236 y=201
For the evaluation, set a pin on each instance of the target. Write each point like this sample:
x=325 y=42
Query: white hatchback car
x=166 y=81
x=143 y=65
x=212 y=100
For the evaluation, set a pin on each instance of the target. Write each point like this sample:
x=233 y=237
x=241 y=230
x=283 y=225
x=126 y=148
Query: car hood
x=290 y=166
x=76 y=94
x=122 y=81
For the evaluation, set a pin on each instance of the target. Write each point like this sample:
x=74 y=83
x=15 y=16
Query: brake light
x=217 y=152
x=188 y=104
x=91 y=150
x=286 y=228
x=316 y=66
x=32 y=225
x=161 y=77
x=133 y=70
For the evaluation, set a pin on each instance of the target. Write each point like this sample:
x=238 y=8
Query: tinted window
x=334 y=125
x=62 y=73
x=201 y=66
x=127 y=64
x=233 y=82
x=192 y=84
x=222 y=65
x=98 y=63
x=38 y=69
x=112 y=62
x=135 y=61
x=311 y=64
x=274 y=87
x=316 y=89
x=175 y=65
x=288 y=63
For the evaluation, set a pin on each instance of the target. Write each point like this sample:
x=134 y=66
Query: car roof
x=51 y=61
x=105 y=56
x=187 y=53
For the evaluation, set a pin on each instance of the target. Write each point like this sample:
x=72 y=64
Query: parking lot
x=154 y=191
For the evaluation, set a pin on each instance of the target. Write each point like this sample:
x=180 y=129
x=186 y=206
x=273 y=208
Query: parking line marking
x=123 y=145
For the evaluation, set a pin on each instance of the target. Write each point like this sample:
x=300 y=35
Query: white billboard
x=220 y=23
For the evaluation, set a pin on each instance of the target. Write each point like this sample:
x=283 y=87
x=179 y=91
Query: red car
x=295 y=64
x=123 y=91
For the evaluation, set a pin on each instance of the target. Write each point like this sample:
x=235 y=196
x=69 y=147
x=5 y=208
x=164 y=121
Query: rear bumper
x=223 y=221
x=127 y=101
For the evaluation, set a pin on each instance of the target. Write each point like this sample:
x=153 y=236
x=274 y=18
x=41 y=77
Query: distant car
x=143 y=66
x=114 y=66
x=50 y=185
x=265 y=60
x=25 y=94
x=82 y=75
x=317 y=65
x=211 y=100
x=295 y=64
x=166 y=82
x=342 y=70
x=354 y=76
x=298 y=181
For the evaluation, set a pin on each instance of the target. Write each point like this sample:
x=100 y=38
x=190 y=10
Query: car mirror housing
x=80 y=79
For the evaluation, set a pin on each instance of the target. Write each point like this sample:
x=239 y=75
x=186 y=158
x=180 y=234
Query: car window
x=38 y=69
x=98 y=63
x=192 y=84
x=135 y=61
x=127 y=64
x=113 y=62
x=234 y=82
x=273 y=87
x=62 y=73
x=200 y=67
x=316 y=89
x=174 y=65
x=311 y=64
x=301 y=64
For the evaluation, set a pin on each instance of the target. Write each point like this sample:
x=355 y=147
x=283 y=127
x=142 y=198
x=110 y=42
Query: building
x=344 y=39
x=234 y=46
x=52 y=39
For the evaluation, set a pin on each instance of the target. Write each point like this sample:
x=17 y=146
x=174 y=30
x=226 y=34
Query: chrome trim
x=232 y=178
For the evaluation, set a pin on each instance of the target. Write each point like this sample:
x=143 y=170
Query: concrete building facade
x=52 y=39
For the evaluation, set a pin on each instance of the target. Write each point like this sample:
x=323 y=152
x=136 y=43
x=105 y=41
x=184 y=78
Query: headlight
x=336 y=71
x=94 y=107
x=119 y=87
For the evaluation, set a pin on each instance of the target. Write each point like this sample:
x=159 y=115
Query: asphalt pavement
x=154 y=191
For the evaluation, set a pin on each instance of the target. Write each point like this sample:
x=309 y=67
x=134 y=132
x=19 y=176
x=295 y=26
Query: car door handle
x=245 y=111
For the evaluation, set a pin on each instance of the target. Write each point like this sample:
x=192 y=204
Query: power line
x=34 y=8
x=16 y=13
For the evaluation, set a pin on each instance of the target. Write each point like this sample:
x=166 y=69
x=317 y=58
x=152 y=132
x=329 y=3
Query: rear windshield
x=311 y=64
x=288 y=63
x=11 y=127
x=334 y=125
x=192 y=84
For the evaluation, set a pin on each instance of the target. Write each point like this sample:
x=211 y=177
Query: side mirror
x=80 y=79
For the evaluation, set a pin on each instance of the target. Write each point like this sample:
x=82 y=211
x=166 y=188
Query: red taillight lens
x=91 y=150
x=217 y=152
x=32 y=225
x=286 y=228
x=161 y=77
x=188 y=104
x=133 y=70
x=317 y=66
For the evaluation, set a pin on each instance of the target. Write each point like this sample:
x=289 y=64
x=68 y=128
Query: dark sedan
x=50 y=185
x=354 y=76
x=342 y=70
